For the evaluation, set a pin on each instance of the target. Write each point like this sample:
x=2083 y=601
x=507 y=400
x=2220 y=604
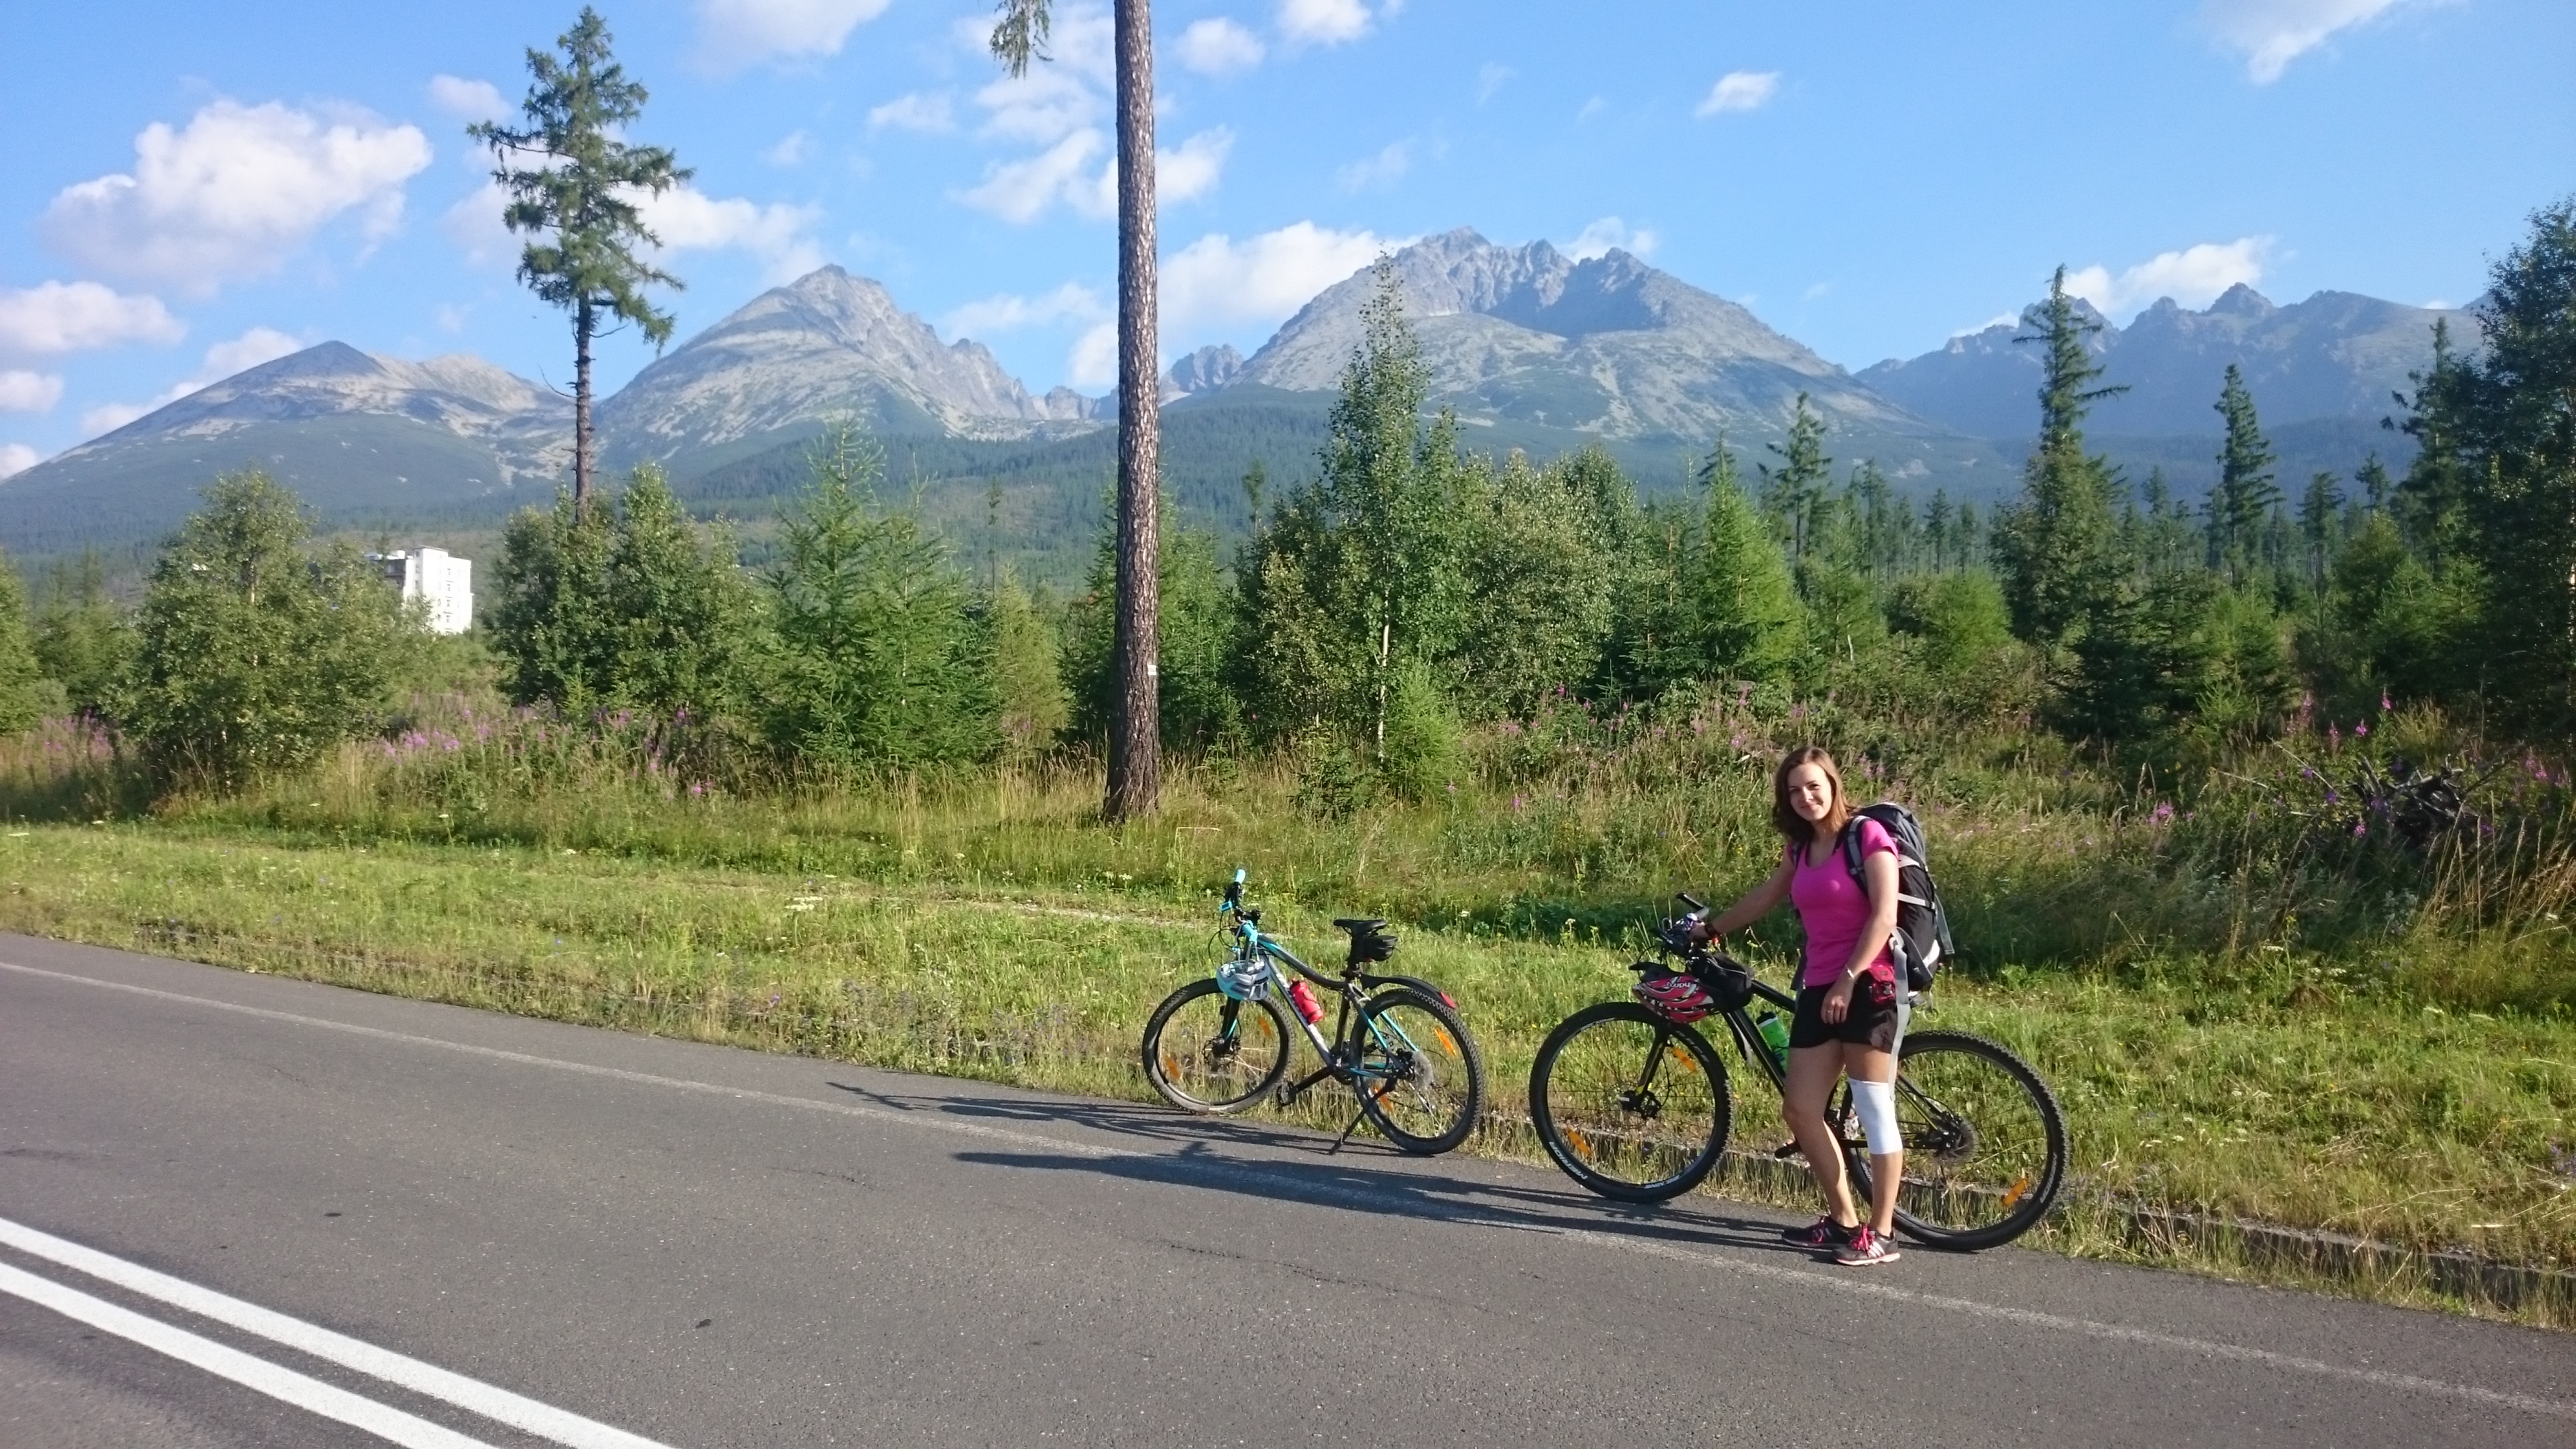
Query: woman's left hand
x=1837 y=1002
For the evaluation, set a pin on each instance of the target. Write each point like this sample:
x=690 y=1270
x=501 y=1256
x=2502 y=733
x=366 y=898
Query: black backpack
x=1922 y=939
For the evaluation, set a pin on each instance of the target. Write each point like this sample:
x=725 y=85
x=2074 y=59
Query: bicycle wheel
x=1630 y=1105
x=1417 y=1072
x=1985 y=1146
x=1207 y=1052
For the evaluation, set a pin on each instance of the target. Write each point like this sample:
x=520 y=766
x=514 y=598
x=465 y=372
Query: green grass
x=2242 y=1017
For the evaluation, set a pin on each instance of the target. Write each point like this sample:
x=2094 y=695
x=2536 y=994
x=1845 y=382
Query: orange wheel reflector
x=1170 y=1068
x=1447 y=1042
x=1684 y=1058
x=2020 y=1190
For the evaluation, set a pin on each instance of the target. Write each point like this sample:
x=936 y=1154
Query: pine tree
x=2431 y=499
x=83 y=641
x=1936 y=529
x=2246 y=494
x=580 y=199
x=1745 y=620
x=2512 y=409
x=2320 y=513
x=2054 y=545
x=21 y=701
x=875 y=657
x=1028 y=676
x=2372 y=477
x=1018 y=39
x=1793 y=494
x=254 y=654
x=623 y=605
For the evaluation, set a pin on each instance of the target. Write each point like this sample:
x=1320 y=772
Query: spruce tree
x=21 y=701
x=1745 y=620
x=2513 y=409
x=2053 y=546
x=2320 y=513
x=580 y=200
x=2246 y=494
x=83 y=641
x=1793 y=494
x=254 y=653
x=875 y=657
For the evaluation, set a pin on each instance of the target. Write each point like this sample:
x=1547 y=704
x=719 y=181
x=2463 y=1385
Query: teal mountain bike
x=1224 y=1043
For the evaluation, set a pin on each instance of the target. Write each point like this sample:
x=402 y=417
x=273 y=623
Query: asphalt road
x=461 y=1222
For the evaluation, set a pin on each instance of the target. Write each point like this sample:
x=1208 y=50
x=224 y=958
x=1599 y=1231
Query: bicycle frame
x=1351 y=988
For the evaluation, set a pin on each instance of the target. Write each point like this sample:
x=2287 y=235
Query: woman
x=1850 y=1010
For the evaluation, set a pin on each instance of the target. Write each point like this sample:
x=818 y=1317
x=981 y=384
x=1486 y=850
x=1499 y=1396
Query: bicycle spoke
x=1629 y=1105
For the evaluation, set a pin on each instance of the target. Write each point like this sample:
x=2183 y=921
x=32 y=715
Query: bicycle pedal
x=1784 y=1151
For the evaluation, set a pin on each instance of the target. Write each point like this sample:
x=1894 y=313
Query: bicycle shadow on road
x=1417 y=1194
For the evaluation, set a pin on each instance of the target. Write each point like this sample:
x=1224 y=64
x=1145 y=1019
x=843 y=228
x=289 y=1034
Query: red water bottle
x=1307 y=1006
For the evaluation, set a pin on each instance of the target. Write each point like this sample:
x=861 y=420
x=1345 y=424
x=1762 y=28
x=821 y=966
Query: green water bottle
x=1775 y=1035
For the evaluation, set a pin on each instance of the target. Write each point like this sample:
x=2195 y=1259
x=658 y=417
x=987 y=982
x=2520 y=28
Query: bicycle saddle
x=1370 y=940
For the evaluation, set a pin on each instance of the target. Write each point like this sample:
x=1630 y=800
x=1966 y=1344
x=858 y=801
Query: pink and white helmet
x=1678 y=996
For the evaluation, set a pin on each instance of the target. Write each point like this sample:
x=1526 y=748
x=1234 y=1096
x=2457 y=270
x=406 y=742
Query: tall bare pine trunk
x=1135 y=739
x=582 y=326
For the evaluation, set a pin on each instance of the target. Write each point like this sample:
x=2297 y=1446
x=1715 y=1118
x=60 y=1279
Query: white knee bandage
x=1875 y=1102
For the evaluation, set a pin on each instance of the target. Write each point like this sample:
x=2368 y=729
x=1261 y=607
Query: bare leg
x=1886 y=1170
x=1812 y=1074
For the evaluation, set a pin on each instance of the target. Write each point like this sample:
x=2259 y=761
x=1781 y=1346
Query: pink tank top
x=1835 y=910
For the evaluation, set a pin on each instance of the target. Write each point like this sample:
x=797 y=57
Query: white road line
x=304 y=1392
x=499 y=1405
x=1832 y=1280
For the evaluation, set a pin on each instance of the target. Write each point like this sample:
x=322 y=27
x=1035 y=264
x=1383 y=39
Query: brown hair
x=1789 y=822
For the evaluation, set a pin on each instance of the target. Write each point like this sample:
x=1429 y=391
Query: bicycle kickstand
x=1346 y=1132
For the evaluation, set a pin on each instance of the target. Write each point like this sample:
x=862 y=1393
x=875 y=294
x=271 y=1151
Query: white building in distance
x=442 y=578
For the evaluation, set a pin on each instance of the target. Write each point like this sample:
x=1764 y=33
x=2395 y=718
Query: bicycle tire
x=1599 y=1132
x=1429 y=1100
x=1985 y=1142
x=1203 y=1071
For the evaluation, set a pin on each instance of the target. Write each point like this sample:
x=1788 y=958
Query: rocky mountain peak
x=2241 y=300
x=1608 y=344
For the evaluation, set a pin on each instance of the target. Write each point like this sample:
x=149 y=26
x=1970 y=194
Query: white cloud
x=1740 y=90
x=467 y=100
x=1322 y=22
x=223 y=360
x=2000 y=319
x=779 y=235
x=1591 y=108
x=684 y=218
x=2193 y=276
x=29 y=392
x=1218 y=282
x=2272 y=33
x=473 y=226
x=52 y=318
x=16 y=458
x=928 y=113
x=1491 y=79
x=1218 y=47
x=108 y=417
x=235 y=194
x=736 y=33
x=1094 y=359
x=1193 y=170
x=791 y=150
x=1383 y=169
x=1060 y=96
x=1022 y=191
x=1610 y=231
x=1010 y=313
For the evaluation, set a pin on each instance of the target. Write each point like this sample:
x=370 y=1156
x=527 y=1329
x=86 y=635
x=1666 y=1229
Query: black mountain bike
x=1636 y=1107
x=1223 y=1043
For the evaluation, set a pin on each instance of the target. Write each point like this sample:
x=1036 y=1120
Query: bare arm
x=1879 y=871
x=1765 y=898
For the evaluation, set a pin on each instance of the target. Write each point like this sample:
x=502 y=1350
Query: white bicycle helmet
x=1246 y=980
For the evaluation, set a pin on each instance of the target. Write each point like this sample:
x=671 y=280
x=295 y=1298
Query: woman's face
x=1811 y=792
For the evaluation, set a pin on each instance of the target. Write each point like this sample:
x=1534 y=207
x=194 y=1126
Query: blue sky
x=192 y=188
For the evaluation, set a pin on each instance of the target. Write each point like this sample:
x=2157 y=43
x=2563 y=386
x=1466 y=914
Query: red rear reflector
x=1448 y=1001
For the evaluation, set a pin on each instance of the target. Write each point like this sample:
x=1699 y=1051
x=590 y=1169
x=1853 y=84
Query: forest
x=2253 y=811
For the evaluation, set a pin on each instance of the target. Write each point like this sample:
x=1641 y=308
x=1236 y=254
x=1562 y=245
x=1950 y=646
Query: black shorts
x=1871 y=1021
